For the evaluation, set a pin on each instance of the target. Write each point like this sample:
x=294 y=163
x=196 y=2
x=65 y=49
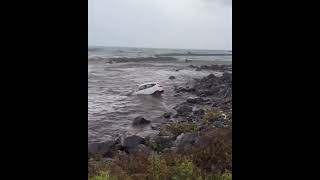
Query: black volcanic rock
x=167 y=115
x=172 y=77
x=132 y=142
x=140 y=121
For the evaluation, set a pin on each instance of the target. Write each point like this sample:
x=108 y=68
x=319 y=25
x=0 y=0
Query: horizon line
x=157 y=48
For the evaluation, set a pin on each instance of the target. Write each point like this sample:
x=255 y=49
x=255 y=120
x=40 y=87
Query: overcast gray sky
x=195 y=24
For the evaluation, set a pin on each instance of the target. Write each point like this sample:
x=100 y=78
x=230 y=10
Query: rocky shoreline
x=141 y=59
x=207 y=110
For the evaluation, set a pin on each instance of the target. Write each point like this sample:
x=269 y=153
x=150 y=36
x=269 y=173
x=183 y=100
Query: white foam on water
x=111 y=105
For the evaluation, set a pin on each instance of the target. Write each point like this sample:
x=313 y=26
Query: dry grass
x=210 y=158
x=181 y=127
x=212 y=115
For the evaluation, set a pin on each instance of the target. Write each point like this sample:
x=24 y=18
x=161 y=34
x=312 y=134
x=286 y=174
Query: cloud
x=224 y=2
x=161 y=23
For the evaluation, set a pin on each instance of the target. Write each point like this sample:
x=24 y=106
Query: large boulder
x=102 y=148
x=226 y=77
x=132 y=142
x=167 y=115
x=172 y=77
x=140 y=121
x=162 y=142
x=140 y=148
x=185 y=140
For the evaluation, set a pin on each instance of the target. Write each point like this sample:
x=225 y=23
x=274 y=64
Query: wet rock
x=172 y=77
x=212 y=85
x=226 y=77
x=191 y=100
x=184 y=140
x=175 y=115
x=208 y=78
x=214 y=104
x=132 y=142
x=155 y=127
x=205 y=93
x=212 y=67
x=118 y=147
x=140 y=121
x=187 y=89
x=192 y=66
x=142 y=59
x=167 y=115
x=183 y=109
x=182 y=89
x=195 y=100
x=207 y=101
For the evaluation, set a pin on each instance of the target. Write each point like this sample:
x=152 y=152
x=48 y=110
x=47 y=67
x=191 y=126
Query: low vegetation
x=102 y=175
x=212 y=115
x=181 y=127
x=210 y=158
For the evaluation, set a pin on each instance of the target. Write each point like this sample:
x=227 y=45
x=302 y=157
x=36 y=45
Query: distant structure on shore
x=194 y=54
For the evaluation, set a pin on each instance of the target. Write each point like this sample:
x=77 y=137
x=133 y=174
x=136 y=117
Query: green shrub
x=214 y=176
x=95 y=167
x=158 y=169
x=103 y=175
x=181 y=127
x=210 y=158
x=226 y=176
x=186 y=170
